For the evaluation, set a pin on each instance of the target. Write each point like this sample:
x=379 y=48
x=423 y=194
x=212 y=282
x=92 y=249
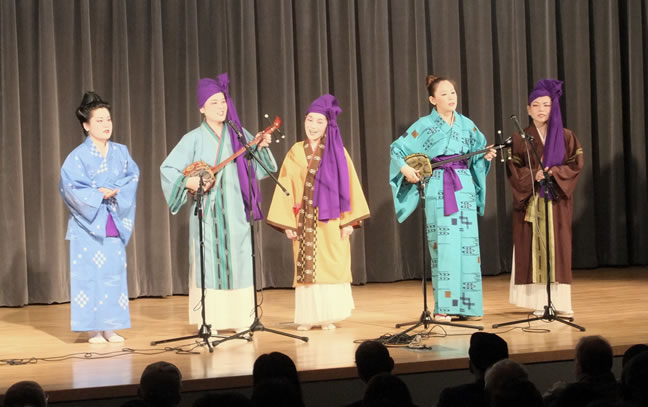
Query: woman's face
x=100 y=125
x=315 y=126
x=539 y=109
x=445 y=97
x=215 y=108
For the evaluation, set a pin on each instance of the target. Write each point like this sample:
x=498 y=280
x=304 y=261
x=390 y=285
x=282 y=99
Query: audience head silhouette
x=486 y=349
x=387 y=388
x=516 y=392
x=160 y=384
x=25 y=393
x=275 y=365
x=633 y=351
x=593 y=356
x=634 y=380
x=371 y=358
x=275 y=392
x=502 y=372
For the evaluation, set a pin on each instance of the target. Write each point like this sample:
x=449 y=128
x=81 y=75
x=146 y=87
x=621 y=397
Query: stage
x=607 y=302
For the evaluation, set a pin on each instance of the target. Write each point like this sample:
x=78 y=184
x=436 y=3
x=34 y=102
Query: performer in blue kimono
x=229 y=294
x=98 y=183
x=454 y=195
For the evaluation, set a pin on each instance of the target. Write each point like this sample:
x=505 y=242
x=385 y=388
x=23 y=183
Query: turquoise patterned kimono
x=453 y=239
x=98 y=284
x=228 y=259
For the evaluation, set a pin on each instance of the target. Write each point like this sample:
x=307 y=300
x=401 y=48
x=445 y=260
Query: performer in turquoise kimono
x=228 y=260
x=454 y=195
x=98 y=184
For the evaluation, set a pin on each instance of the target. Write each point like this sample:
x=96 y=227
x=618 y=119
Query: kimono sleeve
x=359 y=208
x=127 y=185
x=519 y=175
x=479 y=167
x=122 y=206
x=83 y=200
x=568 y=173
x=281 y=215
x=172 y=179
x=405 y=194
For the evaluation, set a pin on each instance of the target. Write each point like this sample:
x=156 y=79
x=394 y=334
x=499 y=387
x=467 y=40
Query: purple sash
x=451 y=182
x=111 y=228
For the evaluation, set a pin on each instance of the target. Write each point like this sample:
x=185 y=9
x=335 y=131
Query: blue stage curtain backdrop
x=146 y=57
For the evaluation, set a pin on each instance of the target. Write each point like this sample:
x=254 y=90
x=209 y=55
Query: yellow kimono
x=321 y=255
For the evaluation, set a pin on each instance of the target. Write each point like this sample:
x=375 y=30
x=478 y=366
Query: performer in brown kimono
x=562 y=156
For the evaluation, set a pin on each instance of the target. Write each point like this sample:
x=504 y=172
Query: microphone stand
x=256 y=325
x=549 y=314
x=426 y=317
x=204 y=332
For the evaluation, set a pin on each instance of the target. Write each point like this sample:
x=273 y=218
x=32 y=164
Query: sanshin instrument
x=209 y=173
x=422 y=163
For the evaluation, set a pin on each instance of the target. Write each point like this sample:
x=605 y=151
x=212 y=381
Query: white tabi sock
x=112 y=337
x=95 y=337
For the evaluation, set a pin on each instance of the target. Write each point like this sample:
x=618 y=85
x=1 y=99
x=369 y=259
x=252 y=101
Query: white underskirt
x=224 y=309
x=317 y=304
x=534 y=296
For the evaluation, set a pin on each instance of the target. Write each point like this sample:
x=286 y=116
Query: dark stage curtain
x=146 y=57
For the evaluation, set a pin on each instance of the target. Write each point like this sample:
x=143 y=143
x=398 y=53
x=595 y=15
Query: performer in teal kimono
x=228 y=260
x=98 y=184
x=454 y=195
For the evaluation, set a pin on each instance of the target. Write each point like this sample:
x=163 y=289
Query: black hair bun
x=89 y=102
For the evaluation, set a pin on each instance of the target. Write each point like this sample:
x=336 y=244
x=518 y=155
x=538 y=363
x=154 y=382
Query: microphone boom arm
x=547 y=181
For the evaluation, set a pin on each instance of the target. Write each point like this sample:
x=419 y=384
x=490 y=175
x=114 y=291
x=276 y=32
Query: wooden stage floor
x=607 y=302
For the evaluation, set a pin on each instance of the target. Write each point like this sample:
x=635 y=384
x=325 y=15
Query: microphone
x=231 y=124
x=517 y=124
x=283 y=136
x=236 y=130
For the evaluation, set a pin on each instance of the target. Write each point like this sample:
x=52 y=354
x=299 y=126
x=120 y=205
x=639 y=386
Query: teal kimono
x=453 y=238
x=228 y=259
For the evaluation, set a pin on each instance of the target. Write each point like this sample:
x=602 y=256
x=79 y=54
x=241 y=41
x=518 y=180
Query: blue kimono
x=98 y=284
x=453 y=238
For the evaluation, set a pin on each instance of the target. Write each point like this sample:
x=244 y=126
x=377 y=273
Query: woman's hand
x=492 y=153
x=346 y=231
x=108 y=193
x=290 y=234
x=193 y=183
x=539 y=176
x=411 y=175
x=266 y=140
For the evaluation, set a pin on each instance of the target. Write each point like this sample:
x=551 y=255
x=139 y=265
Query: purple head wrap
x=208 y=87
x=554 y=146
x=331 y=194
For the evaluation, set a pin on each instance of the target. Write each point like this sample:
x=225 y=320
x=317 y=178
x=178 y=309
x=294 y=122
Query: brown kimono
x=523 y=182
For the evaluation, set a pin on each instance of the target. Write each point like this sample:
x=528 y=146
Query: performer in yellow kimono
x=326 y=203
